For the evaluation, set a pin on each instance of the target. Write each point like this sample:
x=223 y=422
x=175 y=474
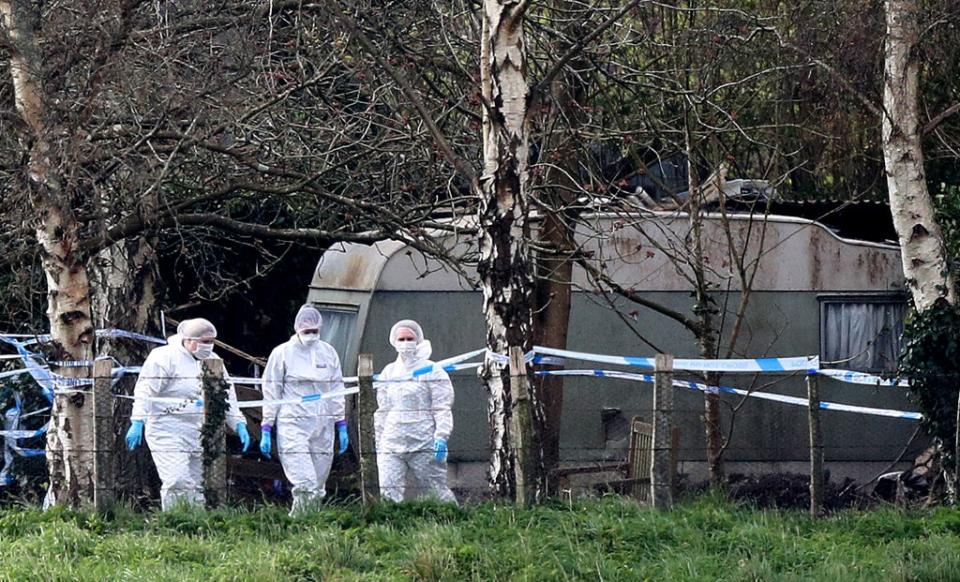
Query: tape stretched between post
x=754 y=365
x=904 y=414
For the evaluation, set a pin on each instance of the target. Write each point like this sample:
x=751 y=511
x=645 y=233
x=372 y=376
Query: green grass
x=606 y=539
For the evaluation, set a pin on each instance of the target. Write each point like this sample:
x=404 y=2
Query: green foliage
x=609 y=539
x=216 y=406
x=211 y=433
x=947 y=199
x=931 y=360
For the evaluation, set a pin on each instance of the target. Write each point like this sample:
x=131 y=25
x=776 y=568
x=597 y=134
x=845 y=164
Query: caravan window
x=339 y=322
x=861 y=333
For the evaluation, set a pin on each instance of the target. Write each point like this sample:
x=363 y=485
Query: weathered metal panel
x=353 y=266
x=651 y=253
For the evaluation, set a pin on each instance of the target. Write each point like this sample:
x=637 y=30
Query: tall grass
x=606 y=539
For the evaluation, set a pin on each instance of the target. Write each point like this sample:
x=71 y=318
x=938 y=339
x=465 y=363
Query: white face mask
x=203 y=351
x=309 y=339
x=406 y=348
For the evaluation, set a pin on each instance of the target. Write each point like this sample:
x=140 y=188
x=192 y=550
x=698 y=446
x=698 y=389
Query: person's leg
x=321 y=453
x=430 y=476
x=174 y=447
x=293 y=445
x=194 y=495
x=392 y=471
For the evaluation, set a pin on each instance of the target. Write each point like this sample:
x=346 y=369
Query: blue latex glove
x=440 y=449
x=342 y=436
x=266 y=439
x=135 y=435
x=244 y=435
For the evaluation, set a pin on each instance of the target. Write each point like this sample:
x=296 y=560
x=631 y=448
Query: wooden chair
x=636 y=469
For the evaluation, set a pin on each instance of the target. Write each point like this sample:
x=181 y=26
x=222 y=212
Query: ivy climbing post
x=213 y=435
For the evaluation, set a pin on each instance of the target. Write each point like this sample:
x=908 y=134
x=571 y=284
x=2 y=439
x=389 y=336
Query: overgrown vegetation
x=931 y=359
x=606 y=539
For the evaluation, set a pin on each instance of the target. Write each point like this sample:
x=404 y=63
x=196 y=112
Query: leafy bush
x=931 y=360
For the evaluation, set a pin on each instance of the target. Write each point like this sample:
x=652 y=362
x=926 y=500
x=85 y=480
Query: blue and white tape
x=503 y=359
x=198 y=403
x=36 y=412
x=38 y=372
x=424 y=370
x=863 y=378
x=728 y=390
x=112 y=332
x=549 y=360
x=754 y=365
x=247 y=381
x=23 y=433
x=27 y=452
x=300 y=400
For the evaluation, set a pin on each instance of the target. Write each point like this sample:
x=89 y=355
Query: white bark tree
x=70 y=438
x=504 y=265
x=921 y=240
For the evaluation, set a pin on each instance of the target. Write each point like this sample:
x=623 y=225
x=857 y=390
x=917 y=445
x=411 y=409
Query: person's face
x=192 y=344
x=406 y=334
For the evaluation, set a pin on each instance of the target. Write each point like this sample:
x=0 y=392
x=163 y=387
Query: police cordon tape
x=753 y=365
x=24 y=434
x=851 y=377
x=554 y=356
x=797 y=364
x=846 y=376
x=728 y=390
x=539 y=355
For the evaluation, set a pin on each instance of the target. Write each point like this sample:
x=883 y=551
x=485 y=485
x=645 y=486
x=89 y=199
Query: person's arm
x=338 y=404
x=441 y=396
x=234 y=416
x=273 y=376
x=383 y=404
x=150 y=382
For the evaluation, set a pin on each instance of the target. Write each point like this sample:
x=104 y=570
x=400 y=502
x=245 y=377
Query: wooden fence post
x=103 y=438
x=661 y=468
x=816 y=446
x=213 y=433
x=521 y=432
x=366 y=408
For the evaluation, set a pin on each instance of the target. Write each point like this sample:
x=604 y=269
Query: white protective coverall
x=11 y=421
x=411 y=415
x=172 y=430
x=305 y=432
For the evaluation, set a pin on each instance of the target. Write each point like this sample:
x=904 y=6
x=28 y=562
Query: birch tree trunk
x=125 y=296
x=921 y=240
x=504 y=264
x=922 y=249
x=70 y=438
